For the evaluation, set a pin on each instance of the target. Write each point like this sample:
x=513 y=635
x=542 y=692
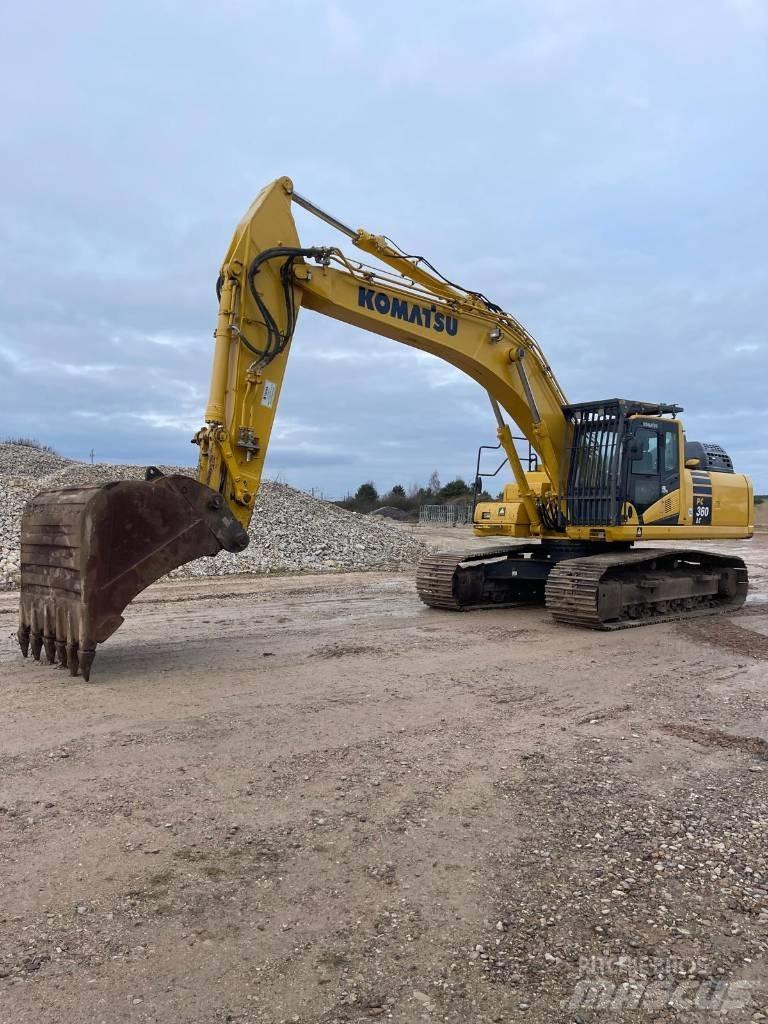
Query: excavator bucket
x=86 y=552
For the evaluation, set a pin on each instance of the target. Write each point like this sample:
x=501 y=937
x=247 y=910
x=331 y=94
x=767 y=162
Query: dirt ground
x=311 y=798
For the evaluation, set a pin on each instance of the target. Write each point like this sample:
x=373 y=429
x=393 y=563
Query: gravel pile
x=290 y=532
x=388 y=512
x=25 y=461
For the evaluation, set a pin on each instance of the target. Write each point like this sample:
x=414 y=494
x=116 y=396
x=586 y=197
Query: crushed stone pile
x=388 y=512
x=29 y=461
x=290 y=531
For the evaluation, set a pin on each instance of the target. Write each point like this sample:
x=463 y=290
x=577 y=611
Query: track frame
x=606 y=589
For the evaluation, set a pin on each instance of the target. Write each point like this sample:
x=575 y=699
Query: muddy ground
x=313 y=799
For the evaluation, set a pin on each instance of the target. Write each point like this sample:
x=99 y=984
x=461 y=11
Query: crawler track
x=439 y=578
x=606 y=591
x=578 y=590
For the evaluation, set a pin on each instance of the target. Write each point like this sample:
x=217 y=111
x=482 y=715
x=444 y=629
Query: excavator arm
x=267 y=276
x=86 y=552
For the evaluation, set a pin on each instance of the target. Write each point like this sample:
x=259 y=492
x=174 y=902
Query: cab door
x=654 y=466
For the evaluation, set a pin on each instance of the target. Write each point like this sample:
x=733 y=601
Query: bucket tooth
x=49 y=643
x=37 y=645
x=86 y=552
x=72 y=659
x=86 y=660
x=23 y=637
x=61 y=653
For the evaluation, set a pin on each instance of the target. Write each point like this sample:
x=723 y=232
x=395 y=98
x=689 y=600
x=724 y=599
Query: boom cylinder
x=216 y=409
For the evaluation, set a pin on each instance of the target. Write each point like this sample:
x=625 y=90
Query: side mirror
x=692 y=463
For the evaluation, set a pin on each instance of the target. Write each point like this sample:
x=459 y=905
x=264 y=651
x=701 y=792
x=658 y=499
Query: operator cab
x=626 y=453
x=653 y=449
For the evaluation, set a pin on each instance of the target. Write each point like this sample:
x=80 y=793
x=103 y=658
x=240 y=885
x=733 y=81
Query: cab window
x=671 y=451
x=648 y=462
x=654 y=466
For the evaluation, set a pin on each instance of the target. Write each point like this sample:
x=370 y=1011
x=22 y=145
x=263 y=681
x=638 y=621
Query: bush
x=455 y=492
x=367 y=497
x=30 y=442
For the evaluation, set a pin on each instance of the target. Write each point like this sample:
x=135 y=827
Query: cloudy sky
x=597 y=168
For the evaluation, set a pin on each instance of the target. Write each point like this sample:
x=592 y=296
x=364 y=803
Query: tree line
x=456 y=492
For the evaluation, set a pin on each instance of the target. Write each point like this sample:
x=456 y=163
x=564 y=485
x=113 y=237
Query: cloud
x=597 y=169
x=752 y=13
x=747 y=348
x=288 y=428
x=343 y=31
x=154 y=420
x=79 y=369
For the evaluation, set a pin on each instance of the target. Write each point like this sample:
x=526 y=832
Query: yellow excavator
x=608 y=473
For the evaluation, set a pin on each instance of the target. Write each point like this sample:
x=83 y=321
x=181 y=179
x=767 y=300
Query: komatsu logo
x=400 y=309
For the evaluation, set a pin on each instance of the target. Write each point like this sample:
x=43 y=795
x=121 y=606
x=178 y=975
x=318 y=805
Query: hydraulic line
x=277 y=339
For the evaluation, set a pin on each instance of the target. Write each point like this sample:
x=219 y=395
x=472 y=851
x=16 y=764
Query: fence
x=446 y=515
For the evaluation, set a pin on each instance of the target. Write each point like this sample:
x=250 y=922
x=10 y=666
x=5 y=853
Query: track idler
x=86 y=552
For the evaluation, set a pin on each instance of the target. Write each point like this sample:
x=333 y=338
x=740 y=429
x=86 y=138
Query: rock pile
x=29 y=461
x=290 y=532
x=388 y=512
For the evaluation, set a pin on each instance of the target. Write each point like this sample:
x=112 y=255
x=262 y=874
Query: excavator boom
x=262 y=286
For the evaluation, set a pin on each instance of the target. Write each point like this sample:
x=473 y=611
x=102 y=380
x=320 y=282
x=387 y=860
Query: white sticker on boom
x=270 y=390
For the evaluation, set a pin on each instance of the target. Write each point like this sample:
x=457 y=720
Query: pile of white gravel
x=290 y=531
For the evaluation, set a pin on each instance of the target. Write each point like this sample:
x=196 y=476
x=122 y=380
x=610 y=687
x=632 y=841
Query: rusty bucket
x=86 y=552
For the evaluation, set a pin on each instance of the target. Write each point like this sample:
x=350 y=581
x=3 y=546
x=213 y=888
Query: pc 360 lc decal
x=702 y=510
x=411 y=312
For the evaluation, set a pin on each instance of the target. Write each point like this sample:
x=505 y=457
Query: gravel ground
x=311 y=800
x=290 y=532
